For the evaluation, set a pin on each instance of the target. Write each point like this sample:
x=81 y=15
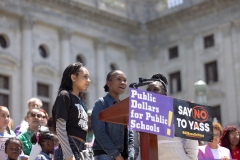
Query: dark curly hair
x=225 y=142
x=9 y=140
x=161 y=78
x=43 y=136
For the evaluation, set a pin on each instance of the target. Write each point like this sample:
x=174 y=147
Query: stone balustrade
x=117 y=7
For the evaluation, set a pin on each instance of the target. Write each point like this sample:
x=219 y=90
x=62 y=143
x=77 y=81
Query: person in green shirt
x=33 y=118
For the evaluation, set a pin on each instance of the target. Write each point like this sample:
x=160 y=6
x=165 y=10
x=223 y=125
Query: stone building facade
x=183 y=39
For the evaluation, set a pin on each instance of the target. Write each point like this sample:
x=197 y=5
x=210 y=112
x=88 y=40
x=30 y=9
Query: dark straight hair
x=66 y=83
x=109 y=75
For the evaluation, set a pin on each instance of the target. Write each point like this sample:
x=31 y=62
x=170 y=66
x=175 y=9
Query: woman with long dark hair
x=69 y=112
x=230 y=140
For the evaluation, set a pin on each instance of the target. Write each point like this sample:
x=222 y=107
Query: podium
x=118 y=113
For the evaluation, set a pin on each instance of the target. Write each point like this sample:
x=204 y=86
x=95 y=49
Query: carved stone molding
x=88 y=12
x=101 y=43
x=95 y=21
x=46 y=70
x=131 y=53
x=27 y=22
x=226 y=29
x=8 y=61
x=194 y=12
x=65 y=33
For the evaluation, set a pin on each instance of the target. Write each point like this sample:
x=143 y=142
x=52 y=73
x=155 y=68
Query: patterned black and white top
x=71 y=119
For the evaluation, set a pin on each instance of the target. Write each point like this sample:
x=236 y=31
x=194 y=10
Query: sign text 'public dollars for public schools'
x=150 y=112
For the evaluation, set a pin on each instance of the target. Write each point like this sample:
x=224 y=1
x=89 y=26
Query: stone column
x=133 y=74
x=100 y=50
x=27 y=64
x=226 y=66
x=186 y=46
x=144 y=52
x=236 y=58
x=65 y=36
x=131 y=69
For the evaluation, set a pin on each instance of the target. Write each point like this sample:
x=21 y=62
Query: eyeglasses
x=33 y=115
x=44 y=117
x=234 y=135
x=216 y=135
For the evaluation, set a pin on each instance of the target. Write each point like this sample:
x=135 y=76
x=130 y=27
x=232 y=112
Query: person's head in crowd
x=45 y=140
x=44 y=119
x=13 y=148
x=159 y=85
x=34 y=103
x=50 y=125
x=33 y=118
x=51 y=129
x=75 y=78
x=116 y=83
x=217 y=131
x=230 y=137
x=4 y=118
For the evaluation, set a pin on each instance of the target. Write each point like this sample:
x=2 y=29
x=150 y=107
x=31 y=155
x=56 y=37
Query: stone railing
x=117 y=7
x=162 y=5
x=174 y=3
x=88 y=2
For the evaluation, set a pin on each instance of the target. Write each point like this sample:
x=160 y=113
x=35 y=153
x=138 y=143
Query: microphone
x=136 y=85
x=142 y=84
x=132 y=85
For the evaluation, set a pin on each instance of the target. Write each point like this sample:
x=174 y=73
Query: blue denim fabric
x=76 y=146
x=102 y=157
x=108 y=136
x=58 y=155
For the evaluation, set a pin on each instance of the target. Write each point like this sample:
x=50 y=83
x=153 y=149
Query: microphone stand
x=144 y=81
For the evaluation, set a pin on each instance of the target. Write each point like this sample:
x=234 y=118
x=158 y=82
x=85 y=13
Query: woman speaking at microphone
x=170 y=148
x=112 y=141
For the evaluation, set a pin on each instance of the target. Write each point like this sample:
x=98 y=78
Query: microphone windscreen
x=132 y=85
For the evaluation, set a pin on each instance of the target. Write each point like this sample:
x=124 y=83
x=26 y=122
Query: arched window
x=113 y=66
x=79 y=58
x=43 y=51
x=3 y=41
